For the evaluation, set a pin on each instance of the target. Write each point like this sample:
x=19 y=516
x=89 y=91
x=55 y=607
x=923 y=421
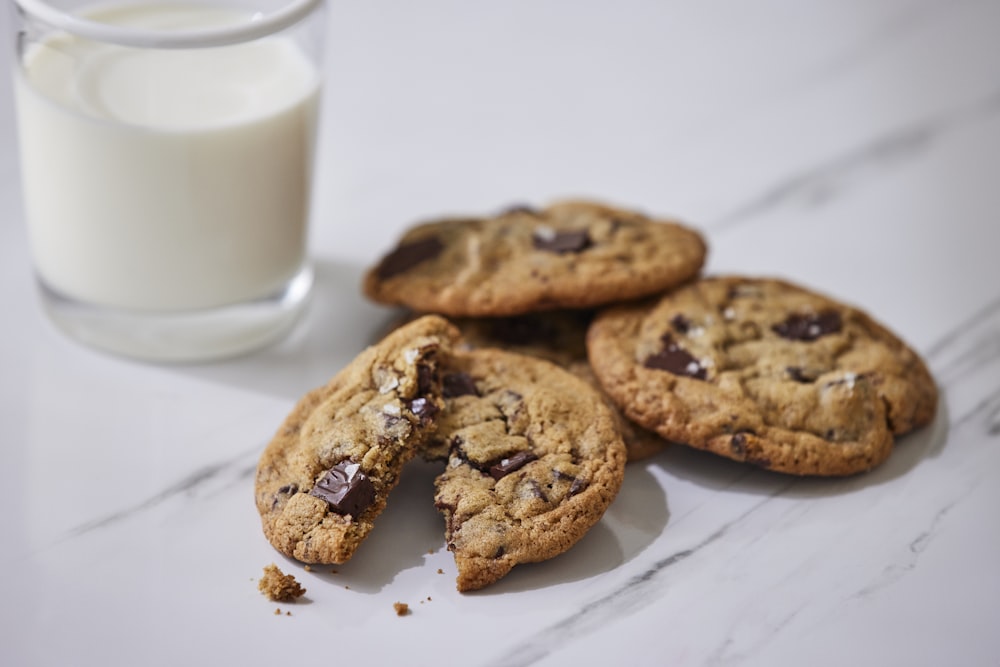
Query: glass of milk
x=167 y=160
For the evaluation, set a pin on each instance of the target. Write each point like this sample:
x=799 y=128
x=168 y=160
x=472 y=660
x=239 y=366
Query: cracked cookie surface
x=765 y=372
x=534 y=460
x=568 y=255
x=326 y=474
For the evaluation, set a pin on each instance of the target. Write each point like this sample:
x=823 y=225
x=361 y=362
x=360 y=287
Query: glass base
x=178 y=337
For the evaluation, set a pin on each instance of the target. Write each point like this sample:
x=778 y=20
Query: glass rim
x=260 y=25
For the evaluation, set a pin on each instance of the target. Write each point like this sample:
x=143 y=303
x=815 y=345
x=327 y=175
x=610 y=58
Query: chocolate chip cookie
x=325 y=476
x=569 y=255
x=559 y=337
x=534 y=459
x=765 y=372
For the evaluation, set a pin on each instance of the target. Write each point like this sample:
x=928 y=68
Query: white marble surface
x=853 y=146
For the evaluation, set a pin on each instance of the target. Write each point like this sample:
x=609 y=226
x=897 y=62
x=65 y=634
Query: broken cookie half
x=326 y=474
x=534 y=458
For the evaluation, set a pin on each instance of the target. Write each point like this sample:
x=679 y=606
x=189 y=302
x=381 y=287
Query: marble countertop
x=851 y=146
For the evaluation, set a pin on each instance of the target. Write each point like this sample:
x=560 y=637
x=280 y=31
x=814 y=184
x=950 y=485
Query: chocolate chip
x=345 y=489
x=424 y=408
x=286 y=490
x=425 y=378
x=810 y=326
x=510 y=464
x=799 y=375
x=536 y=490
x=459 y=384
x=499 y=552
x=738 y=444
x=680 y=323
x=408 y=255
x=675 y=359
x=576 y=484
x=560 y=242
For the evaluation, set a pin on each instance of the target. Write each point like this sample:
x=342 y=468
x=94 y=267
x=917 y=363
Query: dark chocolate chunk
x=536 y=490
x=510 y=464
x=576 y=484
x=573 y=240
x=423 y=408
x=680 y=323
x=459 y=384
x=345 y=489
x=799 y=374
x=286 y=490
x=738 y=444
x=425 y=378
x=408 y=255
x=675 y=359
x=810 y=326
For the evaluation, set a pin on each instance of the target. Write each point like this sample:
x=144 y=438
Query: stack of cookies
x=544 y=348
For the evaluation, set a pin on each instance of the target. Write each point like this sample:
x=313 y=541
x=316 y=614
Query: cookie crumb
x=307 y=568
x=277 y=611
x=334 y=571
x=402 y=609
x=440 y=571
x=278 y=586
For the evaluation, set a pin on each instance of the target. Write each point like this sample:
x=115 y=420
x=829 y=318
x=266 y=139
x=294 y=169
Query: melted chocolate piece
x=345 y=489
x=455 y=449
x=738 y=444
x=459 y=384
x=286 y=490
x=799 y=375
x=563 y=241
x=408 y=255
x=425 y=378
x=809 y=327
x=680 y=323
x=423 y=408
x=536 y=491
x=576 y=484
x=675 y=359
x=508 y=465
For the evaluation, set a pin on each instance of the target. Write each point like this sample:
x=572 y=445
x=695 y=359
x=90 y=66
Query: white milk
x=166 y=180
